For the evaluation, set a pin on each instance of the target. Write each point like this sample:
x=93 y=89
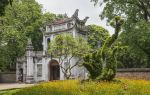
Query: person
x=20 y=78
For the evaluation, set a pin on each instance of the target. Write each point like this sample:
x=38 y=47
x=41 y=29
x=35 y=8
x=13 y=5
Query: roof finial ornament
x=29 y=45
x=29 y=41
x=85 y=19
x=75 y=13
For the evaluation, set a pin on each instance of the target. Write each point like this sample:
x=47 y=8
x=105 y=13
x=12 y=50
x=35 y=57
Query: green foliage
x=66 y=44
x=133 y=10
x=136 y=14
x=9 y=92
x=96 y=38
x=21 y=21
x=73 y=87
x=102 y=63
x=93 y=65
x=3 y=4
x=137 y=40
x=96 y=35
x=65 y=47
x=16 y=24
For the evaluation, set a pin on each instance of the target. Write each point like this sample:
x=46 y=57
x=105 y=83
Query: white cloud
x=86 y=8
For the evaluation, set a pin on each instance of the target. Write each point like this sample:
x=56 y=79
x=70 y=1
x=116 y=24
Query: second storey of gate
x=72 y=25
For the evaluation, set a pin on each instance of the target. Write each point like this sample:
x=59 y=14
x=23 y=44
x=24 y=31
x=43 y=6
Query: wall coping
x=118 y=70
x=134 y=70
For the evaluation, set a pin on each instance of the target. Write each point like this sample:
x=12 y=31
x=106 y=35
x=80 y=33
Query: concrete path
x=5 y=86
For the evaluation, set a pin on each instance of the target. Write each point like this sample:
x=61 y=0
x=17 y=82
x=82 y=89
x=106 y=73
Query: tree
x=134 y=10
x=18 y=21
x=137 y=55
x=102 y=64
x=65 y=48
x=22 y=21
x=96 y=35
x=136 y=13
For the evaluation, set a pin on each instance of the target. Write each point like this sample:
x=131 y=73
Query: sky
x=86 y=8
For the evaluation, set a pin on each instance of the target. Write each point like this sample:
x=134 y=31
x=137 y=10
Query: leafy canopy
x=3 y=4
x=96 y=35
x=136 y=31
x=21 y=21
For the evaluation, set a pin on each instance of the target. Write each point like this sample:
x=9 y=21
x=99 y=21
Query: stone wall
x=134 y=73
x=9 y=77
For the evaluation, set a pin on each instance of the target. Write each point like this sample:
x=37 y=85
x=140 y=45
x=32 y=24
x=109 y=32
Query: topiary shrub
x=102 y=63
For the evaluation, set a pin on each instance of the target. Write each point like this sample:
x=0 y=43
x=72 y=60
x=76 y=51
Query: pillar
x=30 y=64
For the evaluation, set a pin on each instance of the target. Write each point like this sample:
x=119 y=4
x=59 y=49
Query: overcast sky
x=86 y=8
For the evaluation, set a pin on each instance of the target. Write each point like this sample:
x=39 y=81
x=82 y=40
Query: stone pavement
x=5 y=86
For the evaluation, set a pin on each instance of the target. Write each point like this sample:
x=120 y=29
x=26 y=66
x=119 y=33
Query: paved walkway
x=5 y=86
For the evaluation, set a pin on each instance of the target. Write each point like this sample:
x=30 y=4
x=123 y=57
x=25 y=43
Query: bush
x=104 y=59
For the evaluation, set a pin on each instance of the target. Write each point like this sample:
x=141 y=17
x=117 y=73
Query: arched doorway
x=54 y=70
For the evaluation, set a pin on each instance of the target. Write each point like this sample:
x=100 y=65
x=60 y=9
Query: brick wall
x=134 y=73
x=9 y=77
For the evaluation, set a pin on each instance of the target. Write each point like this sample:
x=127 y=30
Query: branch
x=145 y=9
x=70 y=58
x=62 y=68
x=142 y=6
x=76 y=63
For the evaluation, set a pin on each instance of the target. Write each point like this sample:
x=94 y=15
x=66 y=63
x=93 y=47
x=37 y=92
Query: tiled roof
x=61 y=21
x=74 y=16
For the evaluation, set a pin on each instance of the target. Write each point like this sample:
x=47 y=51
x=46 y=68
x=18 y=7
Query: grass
x=8 y=92
x=74 y=87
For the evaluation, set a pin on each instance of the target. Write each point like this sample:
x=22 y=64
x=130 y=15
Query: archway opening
x=54 y=70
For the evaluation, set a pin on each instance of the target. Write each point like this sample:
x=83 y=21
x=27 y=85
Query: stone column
x=44 y=68
x=30 y=64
